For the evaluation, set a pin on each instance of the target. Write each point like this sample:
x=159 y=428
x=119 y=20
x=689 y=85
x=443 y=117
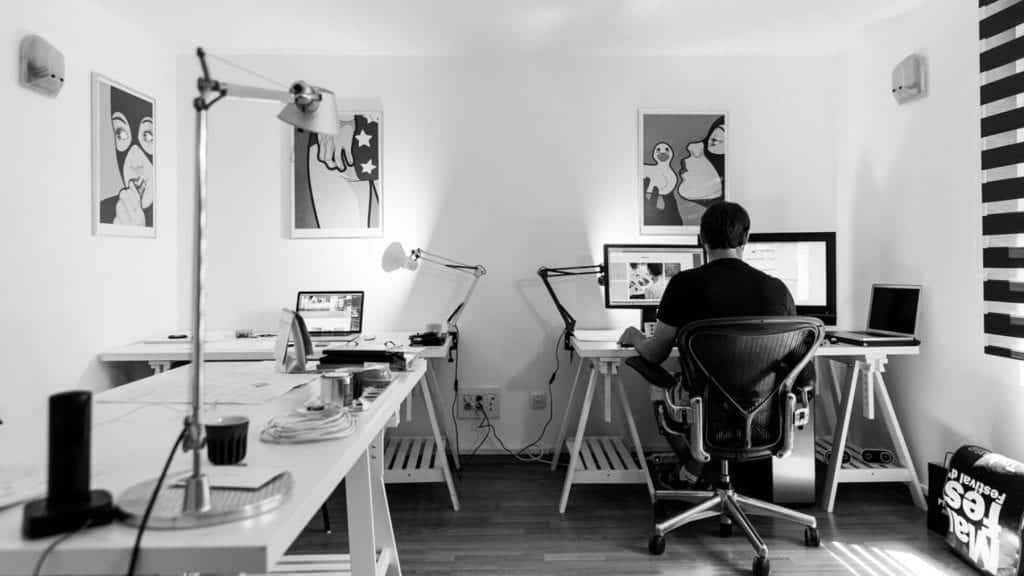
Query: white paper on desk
x=598 y=335
x=226 y=383
x=18 y=485
x=237 y=477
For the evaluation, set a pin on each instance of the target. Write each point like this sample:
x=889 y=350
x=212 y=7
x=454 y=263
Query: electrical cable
x=152 y=501
x=46 y=552
x=537 y=456
x=455 y=398
x=522 y=455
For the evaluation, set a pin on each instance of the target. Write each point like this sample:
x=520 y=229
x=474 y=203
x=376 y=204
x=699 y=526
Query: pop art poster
x=123 y=157
x=337 y=189
x=682 y=169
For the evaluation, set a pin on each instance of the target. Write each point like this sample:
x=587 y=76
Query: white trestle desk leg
x=449 y=432
x=837 y=391
x=628 y=412
x=842 y=428
x=408 y=405
x=384 y=533
x=581 y=427
x=359 y=499
x=442 y=456
x=557 y=452
x=899 y=442
x=875 y=367
x=606 y=370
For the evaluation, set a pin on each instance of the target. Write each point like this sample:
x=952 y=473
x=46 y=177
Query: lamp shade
x=395 y=257
x=312 y=109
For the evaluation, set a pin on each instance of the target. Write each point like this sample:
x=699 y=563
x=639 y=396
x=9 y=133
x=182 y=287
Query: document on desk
x=19 y=485
x=225 y=383
x=598 y=335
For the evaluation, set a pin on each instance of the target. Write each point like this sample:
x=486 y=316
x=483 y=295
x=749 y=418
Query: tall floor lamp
x=308 y=108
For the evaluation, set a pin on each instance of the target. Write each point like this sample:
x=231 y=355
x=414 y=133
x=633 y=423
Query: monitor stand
x=648 y=318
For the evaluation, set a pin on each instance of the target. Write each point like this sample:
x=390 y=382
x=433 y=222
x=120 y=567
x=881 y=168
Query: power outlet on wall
x=470 y=399
x=538 y=400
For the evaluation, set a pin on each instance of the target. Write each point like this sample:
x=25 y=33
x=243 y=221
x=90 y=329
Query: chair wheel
x=811 y=538
x=656 y=545
x=725 y=530
x=762 y=567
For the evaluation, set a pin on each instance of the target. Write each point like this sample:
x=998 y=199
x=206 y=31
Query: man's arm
x=655 y=349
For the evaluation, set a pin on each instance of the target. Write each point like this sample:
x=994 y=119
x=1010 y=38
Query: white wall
x=510 y=161
x=911 y=196
x=68 y=294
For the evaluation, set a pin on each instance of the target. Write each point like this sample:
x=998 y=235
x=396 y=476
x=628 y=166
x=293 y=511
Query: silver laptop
x=332 y=316
x=892 y=317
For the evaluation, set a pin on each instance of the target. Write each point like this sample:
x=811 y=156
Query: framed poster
x=337 y=185
x=681 y=169
x=123 y=160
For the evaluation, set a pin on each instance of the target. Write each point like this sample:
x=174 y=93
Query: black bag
x=984 y=497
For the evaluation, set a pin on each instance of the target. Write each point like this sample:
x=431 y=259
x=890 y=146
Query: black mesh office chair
x=743 y=405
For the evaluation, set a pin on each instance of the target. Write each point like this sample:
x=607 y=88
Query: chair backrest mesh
x=744 y=368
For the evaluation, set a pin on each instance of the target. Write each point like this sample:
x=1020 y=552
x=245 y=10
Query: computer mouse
x=625 y=345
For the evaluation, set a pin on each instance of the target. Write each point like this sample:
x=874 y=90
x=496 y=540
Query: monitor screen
x=805 y=262
x=894 y=308
x=637 y=274
x=331 y=312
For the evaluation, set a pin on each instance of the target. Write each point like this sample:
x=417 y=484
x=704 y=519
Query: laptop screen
x=894 y=308
x=331 y=312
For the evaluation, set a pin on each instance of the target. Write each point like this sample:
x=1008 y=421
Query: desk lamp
x=395 y=257
x=546 y=273
x=308 y=108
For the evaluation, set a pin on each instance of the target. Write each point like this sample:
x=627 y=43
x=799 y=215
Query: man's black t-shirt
x=723 y=288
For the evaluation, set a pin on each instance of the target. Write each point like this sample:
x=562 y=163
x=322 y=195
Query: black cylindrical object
x=70 y=441
x=69 y=504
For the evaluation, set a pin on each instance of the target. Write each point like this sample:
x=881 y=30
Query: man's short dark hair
x=724 y=225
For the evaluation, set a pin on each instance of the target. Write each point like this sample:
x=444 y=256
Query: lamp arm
x=476 y=270
x=453 y=319
x=546 y=273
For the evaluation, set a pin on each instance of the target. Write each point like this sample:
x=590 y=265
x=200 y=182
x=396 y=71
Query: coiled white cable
x=305 y=425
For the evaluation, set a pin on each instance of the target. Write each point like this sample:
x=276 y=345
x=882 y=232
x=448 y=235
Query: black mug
x=226 y=439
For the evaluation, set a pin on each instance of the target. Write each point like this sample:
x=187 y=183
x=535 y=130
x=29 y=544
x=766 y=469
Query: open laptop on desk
x=892 y=318
x=334 y=316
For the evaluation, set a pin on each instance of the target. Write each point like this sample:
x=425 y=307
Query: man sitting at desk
x=724 y=286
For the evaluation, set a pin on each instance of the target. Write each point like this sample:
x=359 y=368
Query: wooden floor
x=509 y=524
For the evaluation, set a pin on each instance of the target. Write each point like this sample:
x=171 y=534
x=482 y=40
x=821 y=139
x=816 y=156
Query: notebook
x=334 y=316
x=892 y=318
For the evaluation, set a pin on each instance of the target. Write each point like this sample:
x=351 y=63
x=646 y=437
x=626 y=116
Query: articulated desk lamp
x=395 y=257
x=546 y=273
x=307 y=108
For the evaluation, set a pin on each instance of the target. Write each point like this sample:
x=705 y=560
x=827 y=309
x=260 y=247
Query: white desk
x=408 y=459
x=129 y=445
x=608 y=461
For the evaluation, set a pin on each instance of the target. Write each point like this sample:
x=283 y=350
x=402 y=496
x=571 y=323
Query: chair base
x=731 y=508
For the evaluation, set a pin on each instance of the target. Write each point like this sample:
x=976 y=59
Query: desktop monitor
x=637 y=274
x=331 y=313
x=806 y=264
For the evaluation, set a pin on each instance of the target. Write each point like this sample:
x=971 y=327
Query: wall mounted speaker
x=42 y=66
x=908 y=79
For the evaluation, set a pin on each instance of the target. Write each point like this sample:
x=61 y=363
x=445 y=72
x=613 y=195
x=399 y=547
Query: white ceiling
x=426 y=27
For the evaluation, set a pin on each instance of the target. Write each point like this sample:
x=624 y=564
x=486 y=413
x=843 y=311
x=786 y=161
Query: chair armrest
x=653 y=373
x=697 y=431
